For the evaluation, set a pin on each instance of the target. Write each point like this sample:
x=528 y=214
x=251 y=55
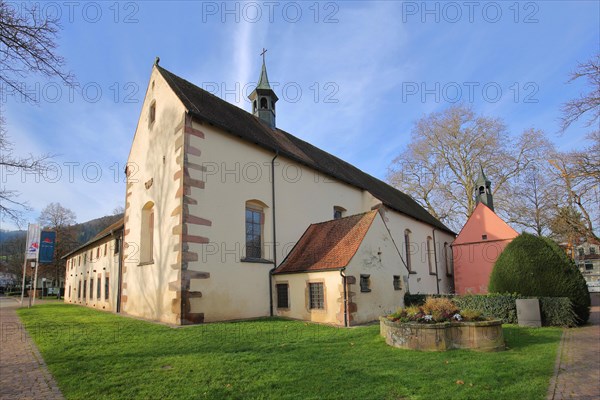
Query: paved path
x=577 y=371
x=23 y=373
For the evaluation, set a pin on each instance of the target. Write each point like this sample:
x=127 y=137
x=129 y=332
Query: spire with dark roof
x=263 y=98
x=483 y=190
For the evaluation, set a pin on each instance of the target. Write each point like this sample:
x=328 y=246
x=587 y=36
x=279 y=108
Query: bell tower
x=483 y=190
x=263 y=98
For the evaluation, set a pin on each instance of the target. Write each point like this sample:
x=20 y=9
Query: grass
x=95 y=355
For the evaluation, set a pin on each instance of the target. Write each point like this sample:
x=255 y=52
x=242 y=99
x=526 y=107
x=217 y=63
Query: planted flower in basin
x=438 y=325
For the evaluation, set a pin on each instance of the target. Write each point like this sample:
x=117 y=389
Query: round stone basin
x=480 y=336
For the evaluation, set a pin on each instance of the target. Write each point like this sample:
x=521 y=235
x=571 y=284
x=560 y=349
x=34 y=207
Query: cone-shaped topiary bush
x=537 y=267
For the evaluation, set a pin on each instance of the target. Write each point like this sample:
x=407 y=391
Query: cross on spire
x=263 y=54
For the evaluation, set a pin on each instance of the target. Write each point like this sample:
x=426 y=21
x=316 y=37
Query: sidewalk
x=23 y=373
x=577 y=370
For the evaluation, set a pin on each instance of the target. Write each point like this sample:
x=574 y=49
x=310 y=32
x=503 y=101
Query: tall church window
x=448 y=258
x=254 y=230
x=407 y=249
x=430 y=261
x=147 y=234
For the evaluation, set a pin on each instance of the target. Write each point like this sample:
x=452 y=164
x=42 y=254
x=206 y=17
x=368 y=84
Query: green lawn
x=94 y=355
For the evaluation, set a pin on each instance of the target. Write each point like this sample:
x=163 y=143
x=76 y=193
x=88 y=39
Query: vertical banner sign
x=33 y=242
x=47 y=242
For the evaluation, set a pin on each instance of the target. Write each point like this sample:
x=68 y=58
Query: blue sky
x=352 y=77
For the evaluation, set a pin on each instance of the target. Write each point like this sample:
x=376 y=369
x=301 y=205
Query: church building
x=229 y=217
x=480 y=242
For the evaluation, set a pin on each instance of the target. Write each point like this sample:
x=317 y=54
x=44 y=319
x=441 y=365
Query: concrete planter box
x=480 y=336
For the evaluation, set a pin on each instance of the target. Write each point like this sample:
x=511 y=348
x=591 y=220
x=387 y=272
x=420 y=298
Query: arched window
x=255 y=221
x=407 y=249
x=448 y=258
x=147 y=234
x=481 y=189
x=338 y=212
x=264 y=103
x=430 y=261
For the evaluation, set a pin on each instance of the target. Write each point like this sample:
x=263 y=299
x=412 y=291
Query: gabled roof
x=328 y=245
x=116 y=226
x=210 y=108
x=484 y=221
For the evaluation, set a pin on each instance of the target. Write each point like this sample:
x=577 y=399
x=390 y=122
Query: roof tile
x=328 y=245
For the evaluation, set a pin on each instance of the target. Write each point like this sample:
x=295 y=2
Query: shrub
x=468 y=314
x=537 y=267
x=555 y=311
x=441 y=309
x=500 y=306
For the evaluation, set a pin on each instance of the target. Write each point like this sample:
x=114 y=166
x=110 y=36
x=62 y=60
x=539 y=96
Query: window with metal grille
x=253 y=233
x=317 y=299
x=397 y=282
x=282 y=295
x=365 y=283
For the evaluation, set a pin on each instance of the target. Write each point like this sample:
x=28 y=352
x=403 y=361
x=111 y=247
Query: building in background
x=587 y=259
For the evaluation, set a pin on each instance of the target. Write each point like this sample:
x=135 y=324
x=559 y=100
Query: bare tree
x=534 y=199
x=588 y=103
x=441 y=163
x=57 y=218
x=577 y=172
x=27 y=46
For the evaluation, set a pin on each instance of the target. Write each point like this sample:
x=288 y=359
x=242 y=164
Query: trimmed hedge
x=536 y=267
x=555 y=311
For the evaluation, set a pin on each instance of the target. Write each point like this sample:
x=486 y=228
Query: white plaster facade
x=197 y=178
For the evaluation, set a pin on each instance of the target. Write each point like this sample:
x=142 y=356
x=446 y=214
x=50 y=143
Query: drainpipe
x=437 y=281
x=274 y=234
x=345 y=297
x=120 y=274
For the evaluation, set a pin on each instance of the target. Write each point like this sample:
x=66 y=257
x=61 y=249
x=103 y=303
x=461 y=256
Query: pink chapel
x=479 y=243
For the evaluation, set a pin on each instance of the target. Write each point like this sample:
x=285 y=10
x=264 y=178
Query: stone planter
x=480 y=336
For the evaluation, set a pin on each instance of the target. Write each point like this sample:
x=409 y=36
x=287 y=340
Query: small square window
x=316 y=296
x=483 y=237
x=282 y=295
x=592 y=250
x=397 y=282
x=365 y=283
x=589 y=266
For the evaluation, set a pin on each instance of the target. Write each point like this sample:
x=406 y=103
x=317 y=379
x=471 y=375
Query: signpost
x=32 y=251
